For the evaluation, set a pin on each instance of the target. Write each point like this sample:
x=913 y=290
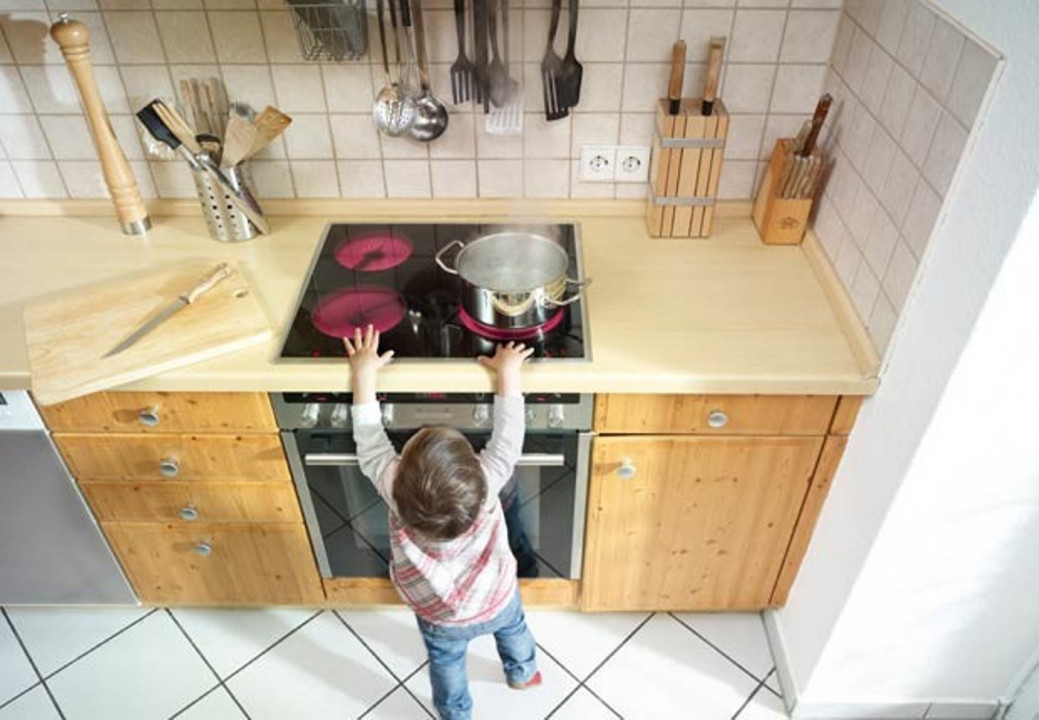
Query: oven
x=544 y=502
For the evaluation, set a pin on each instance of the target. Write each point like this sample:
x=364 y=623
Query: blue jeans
x=447 y=646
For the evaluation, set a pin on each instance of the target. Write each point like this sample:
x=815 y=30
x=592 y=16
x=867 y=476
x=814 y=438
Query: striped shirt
x=471 y=578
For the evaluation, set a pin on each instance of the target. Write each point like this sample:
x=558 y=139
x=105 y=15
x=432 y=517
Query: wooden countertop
x=722 y=315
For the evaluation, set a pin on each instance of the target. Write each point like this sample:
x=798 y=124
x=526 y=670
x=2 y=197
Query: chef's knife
x=204 y=285
x=674 y=87
x=714 y=69
x=821 y=109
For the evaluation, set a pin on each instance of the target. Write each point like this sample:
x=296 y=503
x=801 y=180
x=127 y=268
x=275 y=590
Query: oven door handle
x=351 y=460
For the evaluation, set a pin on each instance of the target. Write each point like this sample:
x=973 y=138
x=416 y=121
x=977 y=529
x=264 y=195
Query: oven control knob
x=555 y=416
x=340 y=416
x=308 y=418
x=481 y=414
x=387 y=414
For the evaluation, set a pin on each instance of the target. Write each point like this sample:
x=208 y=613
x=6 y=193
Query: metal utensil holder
x=225 y=221
x=331 y=30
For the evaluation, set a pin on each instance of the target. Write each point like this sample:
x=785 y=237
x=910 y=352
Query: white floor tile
x=231 y=638
x=741 y=636
x=492 y=698
x=149 y=671
x=584 y=706
x=773 y=682
x=33 y=705
x=55 y=636
x=319 y=671
x=763 y=706
x=665 y=667
x=580 y=641
x=393 y=635
x=217 y=705
x=398 y=706
x=16 y=672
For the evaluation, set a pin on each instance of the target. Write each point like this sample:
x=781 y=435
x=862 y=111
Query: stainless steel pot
x=512 y=279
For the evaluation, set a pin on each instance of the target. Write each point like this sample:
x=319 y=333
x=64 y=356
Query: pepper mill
x=73 y=38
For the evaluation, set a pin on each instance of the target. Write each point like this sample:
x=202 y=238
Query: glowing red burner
x=506 y=334
x=341 y=313
x=372 y=253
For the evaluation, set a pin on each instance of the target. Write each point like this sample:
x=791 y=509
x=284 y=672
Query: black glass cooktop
x=387 y=275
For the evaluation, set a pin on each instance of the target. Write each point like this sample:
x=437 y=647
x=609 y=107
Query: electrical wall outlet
x=632 y=164
x=597 y=163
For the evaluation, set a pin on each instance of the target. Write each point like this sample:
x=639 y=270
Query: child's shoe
x=534 y=681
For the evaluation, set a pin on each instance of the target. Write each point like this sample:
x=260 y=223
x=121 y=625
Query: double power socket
x=614 y=163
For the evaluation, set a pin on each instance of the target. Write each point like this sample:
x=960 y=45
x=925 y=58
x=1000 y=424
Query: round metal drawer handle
x=189 y=513
x=717 y=419
x=204 y=549
x=149 y=417
x=627 y=469
x=169 y=467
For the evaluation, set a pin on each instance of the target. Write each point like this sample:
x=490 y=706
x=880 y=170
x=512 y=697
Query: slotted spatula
x=568 y=81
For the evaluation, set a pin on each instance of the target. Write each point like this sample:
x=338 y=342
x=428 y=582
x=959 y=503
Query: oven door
x=544 y=503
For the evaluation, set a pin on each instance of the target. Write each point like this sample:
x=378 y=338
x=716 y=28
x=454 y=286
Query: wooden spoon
x=270 y=123
x=238 y=140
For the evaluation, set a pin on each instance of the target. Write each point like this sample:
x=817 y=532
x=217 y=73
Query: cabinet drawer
x=211 y=564
x=183 y=503
x=162 y=412
x=176 y=457
x=715 y=414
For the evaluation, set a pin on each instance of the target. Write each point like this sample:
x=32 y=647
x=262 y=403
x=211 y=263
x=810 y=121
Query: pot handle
x=441 y=263
x=581 y=285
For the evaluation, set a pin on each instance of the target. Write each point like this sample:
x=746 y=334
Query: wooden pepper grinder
x=72 y=37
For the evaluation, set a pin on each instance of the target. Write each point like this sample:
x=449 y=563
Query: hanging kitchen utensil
x=497 y=78
x=480 y=52
x=238 y=139
x=393 y=110
x=462 y=69
x=410 y=82
x=568 y=82
x=508 y=118
x=430 y=114
x=551 y=68
x=73 y=38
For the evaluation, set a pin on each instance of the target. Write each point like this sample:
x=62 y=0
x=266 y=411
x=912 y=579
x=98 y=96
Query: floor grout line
x=273 y=645
x=220 y=682
x=752 y=694
x=32 y=664
x=717 y=649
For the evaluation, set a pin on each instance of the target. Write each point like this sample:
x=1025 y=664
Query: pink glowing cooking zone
x=341 y=313
x=496 y=333
x=373 y=253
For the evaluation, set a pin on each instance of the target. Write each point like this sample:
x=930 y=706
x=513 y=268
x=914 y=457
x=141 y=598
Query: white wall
x=930 y=592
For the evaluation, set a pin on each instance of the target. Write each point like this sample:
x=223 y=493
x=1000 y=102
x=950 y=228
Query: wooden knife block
x=685 y=168
x=780 y=221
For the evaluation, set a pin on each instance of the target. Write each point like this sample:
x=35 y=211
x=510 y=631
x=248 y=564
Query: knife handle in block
x=714 y=70
x=207 y=283
x=674 y=85
x=818 y=118
x=73 y=38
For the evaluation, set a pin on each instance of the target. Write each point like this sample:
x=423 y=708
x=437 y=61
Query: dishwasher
x=51 y=550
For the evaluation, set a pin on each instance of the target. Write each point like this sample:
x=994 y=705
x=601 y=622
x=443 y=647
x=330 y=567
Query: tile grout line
x=717 y=649
x=99 y=644
x=580 y=684
x=400 y=682
x=32 y=663
x=750 y=697
x=273 y=645
x=220 y=682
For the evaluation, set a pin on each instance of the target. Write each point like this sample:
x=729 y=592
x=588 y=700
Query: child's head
x=440 y=487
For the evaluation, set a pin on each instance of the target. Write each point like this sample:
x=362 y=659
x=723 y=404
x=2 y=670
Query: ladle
x=430 y=114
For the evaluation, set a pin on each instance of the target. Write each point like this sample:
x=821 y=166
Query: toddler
x=451 y=561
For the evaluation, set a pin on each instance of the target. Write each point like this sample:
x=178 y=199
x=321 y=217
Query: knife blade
x=207 y=283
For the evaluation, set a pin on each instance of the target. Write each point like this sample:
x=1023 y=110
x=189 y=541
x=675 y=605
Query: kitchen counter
x=722 y=315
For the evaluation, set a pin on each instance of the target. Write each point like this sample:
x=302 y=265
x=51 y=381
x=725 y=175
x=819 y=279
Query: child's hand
x=507 y=361
x=365 y=362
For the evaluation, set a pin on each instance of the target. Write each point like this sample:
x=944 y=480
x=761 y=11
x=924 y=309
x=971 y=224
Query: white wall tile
x=866 y=13
x=912 y=47
x=135 y=37
x=899 y=277
x=849 y=258
x=407 y=179
x=308 y=137
x=779 y=126
x=920 y=219
x=546 y=178
x=26 y=34
x=127 y=134
x=744 y=139
x=637 y=128
x=349 y=87
x=897 y=99
x=543 y=139
x=600 y=36
x=881 y=243
x=237 y=37
x=315 y=178
x=6 y=56
x=631 y=191
x=68 y=137
x=644 y=83
x=279 y=36
x=144 y=83
x=173 y=179
x=969 y=83
x=9 y=187
x=899 y=187
x=23 y=138
x=747 y=88
x=737 y=180
x=699 y=26
x=361 y=178
x=858 y=60
x=250 y=84
x=13 y=97
x=299 y=89
x=39 y=179
x=797 y=88
x=756 y=36
x=489 y=145
x=809 y=35
x=874 y=83
x=943 y=54
x=113 y=93
x=500 y=178
x=594 y=129
x=844 y=186
x=858 y=141
x=403 y=147
x=881 y=324
x=651 y=33
x=272 y=178
x=833 y=233
x=459 y=140
x=600 y=88
x=892 y=22
x=454 y=178
x=100 y=48
x=83 y=178
x=946 y=149
x=185 y=37
x=921 y=122
x=842 y=43
x=863 y=213
x=864 y=291
x=355 y=137
x=878 y=164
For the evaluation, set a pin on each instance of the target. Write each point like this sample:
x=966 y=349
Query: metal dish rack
x=331 y=30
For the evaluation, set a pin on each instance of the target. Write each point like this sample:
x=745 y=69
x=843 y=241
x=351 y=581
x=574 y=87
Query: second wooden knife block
x=780 y=221
x=685 y=168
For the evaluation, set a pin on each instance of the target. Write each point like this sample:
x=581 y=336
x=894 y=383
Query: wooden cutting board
x=67 y=335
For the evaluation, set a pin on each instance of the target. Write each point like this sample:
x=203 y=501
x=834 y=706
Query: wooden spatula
x=270 y=123
x=238 y=140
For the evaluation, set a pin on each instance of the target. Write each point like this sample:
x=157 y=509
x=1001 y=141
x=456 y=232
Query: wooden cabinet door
x=702 y=524
x=268 y=564
x=183 y=503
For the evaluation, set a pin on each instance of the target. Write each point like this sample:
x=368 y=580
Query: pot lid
x=512 y=262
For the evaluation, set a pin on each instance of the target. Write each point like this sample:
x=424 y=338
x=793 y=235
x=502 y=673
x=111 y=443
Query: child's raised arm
x=374 y=449
x=504 y=448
